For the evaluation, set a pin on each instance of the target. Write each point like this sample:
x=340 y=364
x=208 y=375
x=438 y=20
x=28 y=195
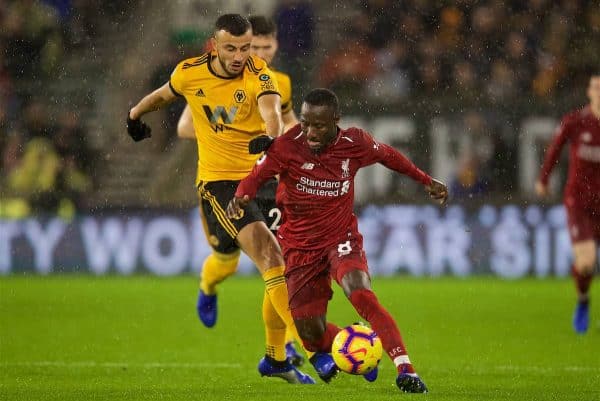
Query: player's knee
x=221 y=265
x=311 y=331
x=585 y=262
x=355 y=280
x=261 y=246
x=273 y=258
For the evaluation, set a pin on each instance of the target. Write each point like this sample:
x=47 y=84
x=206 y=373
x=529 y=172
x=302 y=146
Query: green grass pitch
x=138 y=338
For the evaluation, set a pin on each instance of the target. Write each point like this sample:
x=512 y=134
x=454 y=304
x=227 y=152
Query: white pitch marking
x=524 y=368
x=146 y=365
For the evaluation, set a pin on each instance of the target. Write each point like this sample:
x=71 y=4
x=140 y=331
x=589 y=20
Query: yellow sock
x=277 y=290
x=289 y=336
x=216 y=268
x=274 y=330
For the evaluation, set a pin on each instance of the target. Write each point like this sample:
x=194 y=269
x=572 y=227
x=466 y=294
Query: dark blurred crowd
x=470 y=50
x=481 y=64
x=44 y=158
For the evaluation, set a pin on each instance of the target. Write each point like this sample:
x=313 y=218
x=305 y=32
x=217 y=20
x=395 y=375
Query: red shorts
x=309 y=273
x=584 y=223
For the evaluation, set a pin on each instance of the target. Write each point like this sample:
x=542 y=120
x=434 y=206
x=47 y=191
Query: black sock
x=275 y=362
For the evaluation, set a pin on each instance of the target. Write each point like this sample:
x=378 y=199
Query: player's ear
x=213 y=43
x=336 y=118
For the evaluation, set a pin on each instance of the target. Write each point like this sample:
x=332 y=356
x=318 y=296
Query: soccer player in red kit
x=316 y=162
x=581 y=128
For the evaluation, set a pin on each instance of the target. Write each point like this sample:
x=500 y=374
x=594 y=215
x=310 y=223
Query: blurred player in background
x=317 y=162
x=581 y=128
x=264 y=45
x=233 y=98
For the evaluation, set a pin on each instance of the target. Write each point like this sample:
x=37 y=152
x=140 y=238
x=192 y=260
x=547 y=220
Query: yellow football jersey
x=225 y=113
x=285 y=90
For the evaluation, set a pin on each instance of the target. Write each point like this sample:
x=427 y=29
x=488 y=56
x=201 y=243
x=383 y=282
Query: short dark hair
x=235 y=24
x=323 y=97
x=262 y=25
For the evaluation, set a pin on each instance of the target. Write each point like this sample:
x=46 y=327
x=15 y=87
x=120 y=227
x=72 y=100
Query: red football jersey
x=316 y=190
x=582 y=129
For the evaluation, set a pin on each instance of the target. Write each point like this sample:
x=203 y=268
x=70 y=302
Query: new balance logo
x=307 y=166
x=200 y=93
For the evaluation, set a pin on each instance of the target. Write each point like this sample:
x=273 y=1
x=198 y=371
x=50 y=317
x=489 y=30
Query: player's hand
x=437 y=191
x=137 y=130
x=541 y=190
x=235 y=208
x=260 y=144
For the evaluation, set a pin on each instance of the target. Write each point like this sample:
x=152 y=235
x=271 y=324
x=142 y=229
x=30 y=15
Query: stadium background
x=470 y=90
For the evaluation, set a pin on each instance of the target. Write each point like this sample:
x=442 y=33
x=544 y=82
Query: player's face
x=232 y=51
x=319 y=125
x=264 y=46
x=594 y=91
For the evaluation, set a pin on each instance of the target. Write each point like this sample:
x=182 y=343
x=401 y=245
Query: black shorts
x=221 y=232
x=265 y=199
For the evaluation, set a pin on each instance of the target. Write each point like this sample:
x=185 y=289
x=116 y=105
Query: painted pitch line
x=145 y=365
x=549 y=369
x=522 y=368
x=192 y=365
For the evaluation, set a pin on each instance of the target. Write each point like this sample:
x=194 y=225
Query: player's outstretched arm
x=438 y=191
x=269 y=106
x=185 y=125
x=154 y=101
x=137 y=130
x=236 y=205
x=561 y=136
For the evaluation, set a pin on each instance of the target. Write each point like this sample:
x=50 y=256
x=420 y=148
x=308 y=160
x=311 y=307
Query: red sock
x=366 y=304
x=324 y=343
x=582 y=281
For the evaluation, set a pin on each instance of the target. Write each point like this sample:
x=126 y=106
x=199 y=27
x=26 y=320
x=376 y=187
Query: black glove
x=260 y=144
x=137 y=130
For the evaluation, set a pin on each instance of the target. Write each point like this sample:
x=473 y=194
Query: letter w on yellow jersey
x=220 y=112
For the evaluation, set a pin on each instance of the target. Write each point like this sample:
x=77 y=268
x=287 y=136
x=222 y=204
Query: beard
x=224 y=66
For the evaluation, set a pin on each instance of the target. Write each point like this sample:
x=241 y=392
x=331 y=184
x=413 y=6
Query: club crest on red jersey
x=346 y=168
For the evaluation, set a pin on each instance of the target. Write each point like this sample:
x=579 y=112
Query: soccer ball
x=356 y=349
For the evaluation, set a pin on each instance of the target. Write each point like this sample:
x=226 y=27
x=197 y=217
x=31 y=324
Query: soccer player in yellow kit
x=233 y=98
x=264 y=45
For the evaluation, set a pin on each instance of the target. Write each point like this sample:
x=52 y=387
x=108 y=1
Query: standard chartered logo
x=323 y=187
x=345 y=187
